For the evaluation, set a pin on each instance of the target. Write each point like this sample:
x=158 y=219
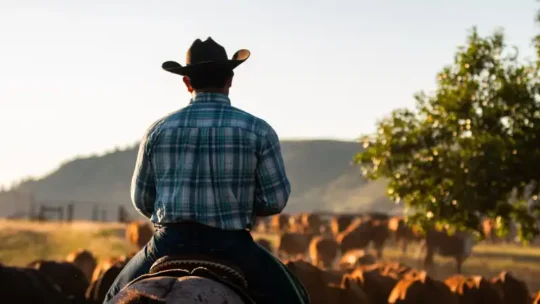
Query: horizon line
x=13 y=183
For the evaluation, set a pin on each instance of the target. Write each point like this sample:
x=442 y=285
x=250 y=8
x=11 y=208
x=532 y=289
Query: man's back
x=210 y=163
x=204 y=173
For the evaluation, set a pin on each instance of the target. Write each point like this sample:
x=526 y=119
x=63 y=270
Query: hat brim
x=238 y=58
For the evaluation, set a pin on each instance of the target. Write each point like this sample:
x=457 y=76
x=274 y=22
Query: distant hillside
x=320 y=171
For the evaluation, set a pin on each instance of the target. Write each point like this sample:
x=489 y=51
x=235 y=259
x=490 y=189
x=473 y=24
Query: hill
x=320 y=172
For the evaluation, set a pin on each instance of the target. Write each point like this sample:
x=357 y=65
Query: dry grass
x=23 y=241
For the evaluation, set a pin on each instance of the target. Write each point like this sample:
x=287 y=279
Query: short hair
x=212 y=77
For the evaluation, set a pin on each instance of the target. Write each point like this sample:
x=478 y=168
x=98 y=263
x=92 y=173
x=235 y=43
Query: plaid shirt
x=210 y=163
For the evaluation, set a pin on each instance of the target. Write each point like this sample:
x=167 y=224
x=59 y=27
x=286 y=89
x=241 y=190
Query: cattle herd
x=328 y=255
x=310 y=235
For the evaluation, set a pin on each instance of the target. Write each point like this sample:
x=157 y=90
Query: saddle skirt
x=200 y=266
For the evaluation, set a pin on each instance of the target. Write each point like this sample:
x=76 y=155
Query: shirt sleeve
x=272 y=187
x=143 y=184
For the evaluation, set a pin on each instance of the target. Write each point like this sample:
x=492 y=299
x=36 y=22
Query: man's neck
x=207 y=96
x=216 y=91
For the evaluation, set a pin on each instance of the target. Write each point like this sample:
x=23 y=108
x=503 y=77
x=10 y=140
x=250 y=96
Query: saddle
x=201 y=266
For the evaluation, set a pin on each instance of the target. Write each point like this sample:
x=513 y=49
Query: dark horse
x=188 y=280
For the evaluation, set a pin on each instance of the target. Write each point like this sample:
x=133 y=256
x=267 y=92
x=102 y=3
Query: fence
x=74 y=210
x=20 y=206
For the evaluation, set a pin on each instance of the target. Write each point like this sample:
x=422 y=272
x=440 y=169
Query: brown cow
x=472 y=290
x=421 y=289
x=279 y=222
x=379 y=216
x=261 y=224
x=97 y=291
x=356 y=236
x=363 y=231
x=85 y=260
x=330 y=276
x=312 y=223
x=348 y=293
x=29 y=286
x=340 y=222
x=402 y=233
x=323 y=251
x=107 y=263
x=295 y=224
x=488 y=229
x=139 y=233
x=459 y=246
x=356 y=257
x=536 y=298
x=379 y=234
x=293 y=245
x=104 y=265
x=397 y=270
x=389 y=269
x=512 y=289
x=376 y=286
x=69 y=277
x=322 y=286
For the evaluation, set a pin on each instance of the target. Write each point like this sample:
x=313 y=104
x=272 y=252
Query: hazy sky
x=78 y=77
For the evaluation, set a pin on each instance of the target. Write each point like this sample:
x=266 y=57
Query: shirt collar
x=210 y=97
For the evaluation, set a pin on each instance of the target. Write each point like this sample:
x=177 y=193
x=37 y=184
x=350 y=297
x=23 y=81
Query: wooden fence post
x=95 y=213
x=32 y=212
x=41 y=214
x=123 y=216
x=70 y=208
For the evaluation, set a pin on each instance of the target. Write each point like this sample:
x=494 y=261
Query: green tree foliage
x=466 y=148
x=537 y=39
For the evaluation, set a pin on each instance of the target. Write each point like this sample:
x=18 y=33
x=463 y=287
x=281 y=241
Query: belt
x=195 y=226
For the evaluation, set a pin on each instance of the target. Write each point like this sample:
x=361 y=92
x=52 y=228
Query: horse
x=191 y=279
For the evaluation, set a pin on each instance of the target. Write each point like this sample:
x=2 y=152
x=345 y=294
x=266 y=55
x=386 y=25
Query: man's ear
x=188 y=84
x=229 y=82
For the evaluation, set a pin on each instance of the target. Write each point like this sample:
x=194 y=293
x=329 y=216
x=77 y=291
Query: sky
x=83 y=77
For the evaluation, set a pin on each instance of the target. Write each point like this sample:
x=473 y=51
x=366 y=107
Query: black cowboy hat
x=205 y=54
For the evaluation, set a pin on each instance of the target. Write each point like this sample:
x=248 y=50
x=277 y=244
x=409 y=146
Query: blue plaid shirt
x=210 y=163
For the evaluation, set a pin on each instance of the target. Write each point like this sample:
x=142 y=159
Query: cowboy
x=203 y=174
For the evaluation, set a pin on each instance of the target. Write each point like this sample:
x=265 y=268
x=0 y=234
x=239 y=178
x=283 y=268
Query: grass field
x=22 y=242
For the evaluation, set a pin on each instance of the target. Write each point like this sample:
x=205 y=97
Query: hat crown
x=205 y=51
x=204 y=55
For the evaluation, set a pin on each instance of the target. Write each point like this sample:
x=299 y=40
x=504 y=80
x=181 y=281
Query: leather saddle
x=201 y=266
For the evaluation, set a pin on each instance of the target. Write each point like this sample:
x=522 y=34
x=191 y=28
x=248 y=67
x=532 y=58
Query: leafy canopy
x=469 y=147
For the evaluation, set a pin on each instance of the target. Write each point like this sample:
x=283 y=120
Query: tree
x=467 y=147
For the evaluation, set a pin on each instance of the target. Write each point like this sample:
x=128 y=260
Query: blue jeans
x=266 y=275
